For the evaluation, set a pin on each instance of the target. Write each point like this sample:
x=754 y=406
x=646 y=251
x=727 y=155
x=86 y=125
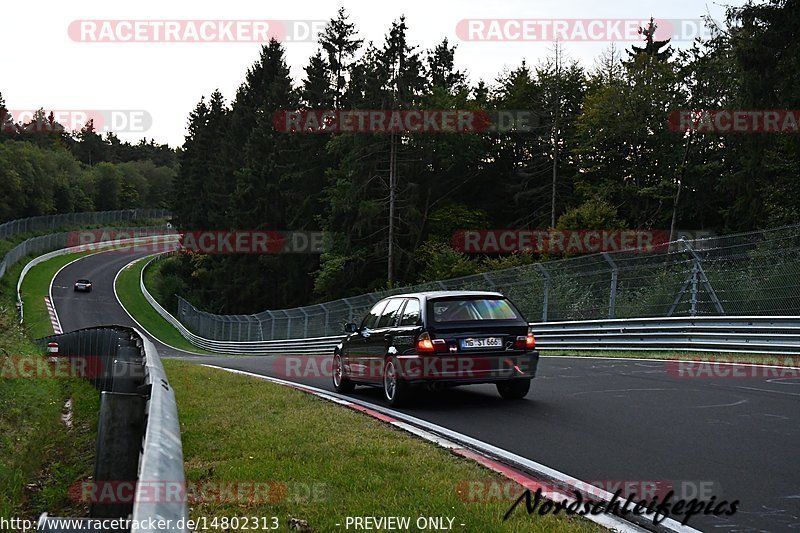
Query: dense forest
x=602 y=150
x=600 y=157
x=46 y=169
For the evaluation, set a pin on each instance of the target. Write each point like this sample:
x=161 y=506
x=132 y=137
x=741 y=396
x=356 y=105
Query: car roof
x=82 y=279
x=432 y=295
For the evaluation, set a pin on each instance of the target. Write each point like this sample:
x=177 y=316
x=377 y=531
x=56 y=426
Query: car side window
x=390 y=312
x=371 y=319
x=410 y=313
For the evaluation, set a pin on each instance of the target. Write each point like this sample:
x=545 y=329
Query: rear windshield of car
x=472 y=309
x=83 y=281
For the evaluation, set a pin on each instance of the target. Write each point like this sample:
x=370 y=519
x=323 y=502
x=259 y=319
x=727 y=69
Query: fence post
x=696 y=264
x=546 y=295
x=271 y=325
x=612 y=297
x=327 y=318
x=693 y=301
x=349 y=310
x=305 y=322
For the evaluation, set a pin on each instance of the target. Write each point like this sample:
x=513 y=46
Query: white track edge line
x=144 y=329
x=611 y=521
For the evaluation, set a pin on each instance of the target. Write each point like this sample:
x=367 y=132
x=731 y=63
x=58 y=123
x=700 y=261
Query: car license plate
x=487 y=342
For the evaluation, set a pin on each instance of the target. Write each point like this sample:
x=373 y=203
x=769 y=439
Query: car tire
x=341 y=383
x=395 y=389
x=514 y=389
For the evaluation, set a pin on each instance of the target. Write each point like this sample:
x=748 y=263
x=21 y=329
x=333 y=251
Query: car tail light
x=427 y=345
x=525 y=343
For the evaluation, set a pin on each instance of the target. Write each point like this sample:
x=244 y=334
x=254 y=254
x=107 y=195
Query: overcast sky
x=44 y=65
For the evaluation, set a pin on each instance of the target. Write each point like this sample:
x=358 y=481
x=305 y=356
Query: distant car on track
x=83 y=285
x=438 y=339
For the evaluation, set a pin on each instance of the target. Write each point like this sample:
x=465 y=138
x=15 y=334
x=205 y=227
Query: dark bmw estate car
x=438 y=339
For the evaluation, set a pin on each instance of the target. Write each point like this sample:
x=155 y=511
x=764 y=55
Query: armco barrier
x=167 y=237
x=754 y=334
x=746 y=334
x=312 y=346
x=748 y=274
x=139 y=435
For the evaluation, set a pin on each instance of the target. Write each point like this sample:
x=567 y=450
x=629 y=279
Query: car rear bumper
x=483 y=368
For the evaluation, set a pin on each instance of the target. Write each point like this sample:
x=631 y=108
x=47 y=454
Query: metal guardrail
x=149 y=238
x=746 y=274
x=311 y=346
x=139 y=436
x=744 y=334
x=747 y=334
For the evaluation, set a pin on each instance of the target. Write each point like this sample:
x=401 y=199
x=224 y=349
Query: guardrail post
x=546 y=295
x=612 y=297
x=119 y=442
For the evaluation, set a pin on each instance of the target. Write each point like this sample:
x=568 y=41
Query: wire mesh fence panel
x=51 y=242
x=44 y=222
x=754 y=273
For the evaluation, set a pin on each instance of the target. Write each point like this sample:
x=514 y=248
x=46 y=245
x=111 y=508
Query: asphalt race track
x=594 y=419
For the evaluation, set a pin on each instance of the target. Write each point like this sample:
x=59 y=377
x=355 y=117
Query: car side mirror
x=350 y=327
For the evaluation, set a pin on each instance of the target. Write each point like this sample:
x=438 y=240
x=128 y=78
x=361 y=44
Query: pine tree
x=339 y=41
x=652 y=48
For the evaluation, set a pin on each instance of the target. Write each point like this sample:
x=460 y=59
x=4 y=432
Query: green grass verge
x=133 y=300
x=35 y=287
x=240 y=429
x=40 y=457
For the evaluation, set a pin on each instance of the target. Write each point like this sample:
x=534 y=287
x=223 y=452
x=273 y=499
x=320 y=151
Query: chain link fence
x=45 y=222
x=745 y=274
x=55 y=241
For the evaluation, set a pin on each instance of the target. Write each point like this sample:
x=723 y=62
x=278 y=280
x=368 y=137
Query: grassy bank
x=330 y=462
x=35 y=287
x=41 y=455
x=133 y=300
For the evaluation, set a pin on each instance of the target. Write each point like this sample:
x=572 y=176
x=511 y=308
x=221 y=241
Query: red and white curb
x=53 y=316
x=477 y=451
